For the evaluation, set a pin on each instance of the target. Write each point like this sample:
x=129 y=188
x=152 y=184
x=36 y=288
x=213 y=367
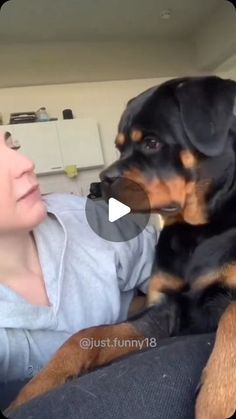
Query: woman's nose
x=22 y=164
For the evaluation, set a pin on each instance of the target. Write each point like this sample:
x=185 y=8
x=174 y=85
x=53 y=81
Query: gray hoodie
x=89 y=281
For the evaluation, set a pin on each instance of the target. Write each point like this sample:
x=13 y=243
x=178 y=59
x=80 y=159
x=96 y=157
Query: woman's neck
x=20 y=268
x=18 y=254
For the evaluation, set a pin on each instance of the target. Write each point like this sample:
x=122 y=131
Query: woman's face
x=21 y=205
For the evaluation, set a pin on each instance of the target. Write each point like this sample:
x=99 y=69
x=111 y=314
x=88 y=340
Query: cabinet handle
x=54 y=168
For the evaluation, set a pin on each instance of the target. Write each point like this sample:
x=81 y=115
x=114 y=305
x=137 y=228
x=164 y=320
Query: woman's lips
x=30 y=192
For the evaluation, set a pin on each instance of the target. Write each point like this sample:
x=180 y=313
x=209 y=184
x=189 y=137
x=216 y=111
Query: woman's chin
x=40 y=212
x=34 y=216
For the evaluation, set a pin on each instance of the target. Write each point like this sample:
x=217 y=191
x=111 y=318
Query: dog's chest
x=178 y=246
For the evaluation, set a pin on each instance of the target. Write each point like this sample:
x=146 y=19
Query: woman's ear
x=207 y=108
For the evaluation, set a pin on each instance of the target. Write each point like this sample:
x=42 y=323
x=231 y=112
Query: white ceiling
x=26 y=21
x=66 y=41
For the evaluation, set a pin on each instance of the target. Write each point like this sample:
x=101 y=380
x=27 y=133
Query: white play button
x=116 y=210
x=114 y=216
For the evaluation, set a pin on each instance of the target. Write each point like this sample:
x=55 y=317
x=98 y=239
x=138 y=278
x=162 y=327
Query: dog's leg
x=81 y=353
x=217 y=398
x=98 y=346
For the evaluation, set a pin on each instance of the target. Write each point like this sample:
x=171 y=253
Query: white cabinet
x=39 y=142
x=80 y=143
x=55 y=145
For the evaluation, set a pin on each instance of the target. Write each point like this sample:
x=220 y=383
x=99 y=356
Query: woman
x=56 y=275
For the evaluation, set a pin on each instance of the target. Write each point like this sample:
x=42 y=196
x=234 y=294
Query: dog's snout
x=109 y=180
x=105 y=177
x=110 y=174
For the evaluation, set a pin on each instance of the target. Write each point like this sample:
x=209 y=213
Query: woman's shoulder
x=60 y=202
x=74 y=206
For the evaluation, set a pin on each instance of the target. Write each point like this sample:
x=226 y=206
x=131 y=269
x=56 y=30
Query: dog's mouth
x=131 y=194
x=170 y=210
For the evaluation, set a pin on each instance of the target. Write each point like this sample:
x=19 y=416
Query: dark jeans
x=159 y=383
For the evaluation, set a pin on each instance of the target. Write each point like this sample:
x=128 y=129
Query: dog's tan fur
x=217 y=398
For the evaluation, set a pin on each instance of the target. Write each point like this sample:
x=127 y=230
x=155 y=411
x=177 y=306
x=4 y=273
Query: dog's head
x=177 y=142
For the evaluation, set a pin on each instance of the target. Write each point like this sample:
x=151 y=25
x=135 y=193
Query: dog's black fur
x=195 y=114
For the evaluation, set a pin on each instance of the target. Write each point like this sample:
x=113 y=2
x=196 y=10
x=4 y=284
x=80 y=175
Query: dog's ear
x=207 y=107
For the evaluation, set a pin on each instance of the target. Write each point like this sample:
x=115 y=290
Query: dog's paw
x=154 y=298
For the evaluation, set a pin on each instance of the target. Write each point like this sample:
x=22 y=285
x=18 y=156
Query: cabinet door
x=39 y=142
x=80 y=143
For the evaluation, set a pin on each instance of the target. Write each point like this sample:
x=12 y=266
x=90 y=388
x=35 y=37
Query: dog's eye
x=151 y=143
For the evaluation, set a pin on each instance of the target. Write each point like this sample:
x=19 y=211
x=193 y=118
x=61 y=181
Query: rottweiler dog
x=177 y=141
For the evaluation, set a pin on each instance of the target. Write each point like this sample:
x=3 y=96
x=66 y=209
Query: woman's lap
x=159 y=383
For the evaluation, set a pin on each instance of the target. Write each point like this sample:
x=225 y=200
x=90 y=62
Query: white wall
x=228 y=68
x=215 y=42
x=103 y=101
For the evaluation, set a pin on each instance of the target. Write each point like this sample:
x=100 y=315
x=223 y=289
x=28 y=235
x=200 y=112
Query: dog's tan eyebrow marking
x=188 y=159
x=120 y=139
x=136 y=135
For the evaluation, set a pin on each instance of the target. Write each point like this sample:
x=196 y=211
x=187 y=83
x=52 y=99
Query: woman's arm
x=23 y=353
